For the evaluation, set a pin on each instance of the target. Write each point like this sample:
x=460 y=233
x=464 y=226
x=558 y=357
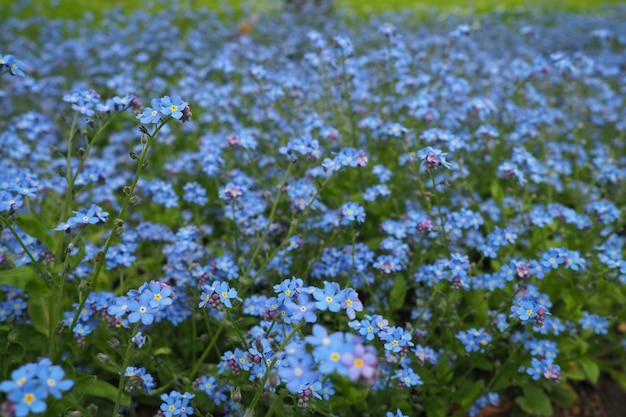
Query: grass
x=74 y=9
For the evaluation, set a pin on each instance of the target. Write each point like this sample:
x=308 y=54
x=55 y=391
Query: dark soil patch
x=606 y=399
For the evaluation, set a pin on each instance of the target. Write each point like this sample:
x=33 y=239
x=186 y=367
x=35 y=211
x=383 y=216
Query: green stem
x=292 y=227
x=102 y=261
x=500 y=371
x=55 y=306
x=80 y=408
x=68 y=173
x=120 y=385
x=9 y=226
x=269 y=221
x=444 y=236
x=277 y=403
x=259 y=390
x=198 y=364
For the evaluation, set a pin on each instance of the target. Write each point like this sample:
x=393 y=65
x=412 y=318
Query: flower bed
x=388 y=217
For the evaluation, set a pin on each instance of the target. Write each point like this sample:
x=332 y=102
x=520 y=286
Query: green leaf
x=102 y=389
x=569 y=300
x=563 y=396
x=496 y=191
x=33 y=227
x=574 y=374
x=435 y=408
x=82 y=382
x=163 y=351
x=619 y=377
x=470 y=393
x=356 y=395
x=591 y=370
x=398 y=293
x=39 y=314
x=535 y=402
x=26 y=278
x=508 y=374
x=482 y=363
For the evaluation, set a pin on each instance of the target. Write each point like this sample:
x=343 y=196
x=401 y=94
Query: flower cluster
x=31 y=385
x=142 y=305
x=218 y=294
x=455 y=211
x=138 y=378
x=474 y=340
x=176 y=404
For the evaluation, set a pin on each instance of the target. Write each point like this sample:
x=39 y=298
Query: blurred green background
x=76 y=8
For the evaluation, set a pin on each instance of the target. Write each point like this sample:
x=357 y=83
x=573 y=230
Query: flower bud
x=102 y=357
x=93 y=409
x=273 y=379
x=84 y=286
x=113 y=343
x=235 y=394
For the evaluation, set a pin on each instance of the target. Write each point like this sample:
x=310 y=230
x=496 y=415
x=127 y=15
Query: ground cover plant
x=75 y=9
x=300 y=216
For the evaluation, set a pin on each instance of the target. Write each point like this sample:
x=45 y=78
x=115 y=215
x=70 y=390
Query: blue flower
x=31 y=385
x=536 y=369
x=226 y=293
x=351 y=303
x=524 y=311
x=398 y=413
x=151 y=115
x=207 y=384
x=397 y=338
x=142 y=309
x=433 y=158
x=159 y=294
x=176 y=404
x=351 y=212
x=594 y=322
x=408 y=377
x=330 y=298
x=30 y=399
x=474 y=339
x=173 y=106
x=296 y=369
x=9 y=62
x=305 y=309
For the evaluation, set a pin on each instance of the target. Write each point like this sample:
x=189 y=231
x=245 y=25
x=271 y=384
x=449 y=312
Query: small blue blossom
x=172 y=106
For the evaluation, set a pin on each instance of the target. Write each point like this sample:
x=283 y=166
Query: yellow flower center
x=29 y=398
